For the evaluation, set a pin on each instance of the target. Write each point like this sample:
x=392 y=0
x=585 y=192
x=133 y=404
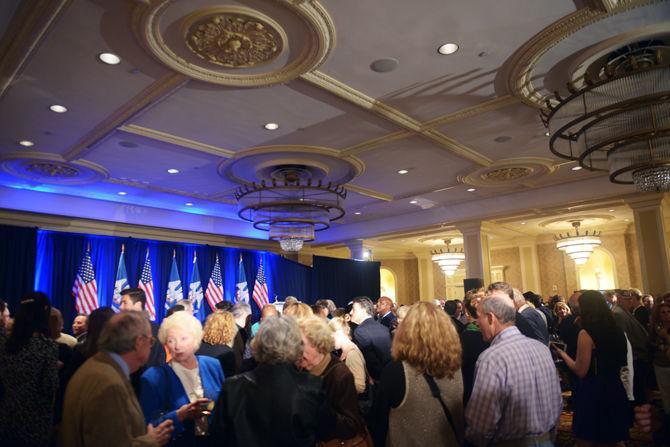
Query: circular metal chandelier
x=291 y=207
x=448 y=260
x=617 y=117
x=580 y=246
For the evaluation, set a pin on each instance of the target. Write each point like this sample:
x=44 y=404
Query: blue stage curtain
x=59 y=255
x=18 y=246
x=344 y=279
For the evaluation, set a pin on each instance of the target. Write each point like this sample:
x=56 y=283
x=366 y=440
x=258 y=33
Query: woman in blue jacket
x=185 y=388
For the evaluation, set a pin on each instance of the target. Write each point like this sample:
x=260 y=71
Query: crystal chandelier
x=291 y=207
x=579 y=247
x=448 y=260
x=617 y=117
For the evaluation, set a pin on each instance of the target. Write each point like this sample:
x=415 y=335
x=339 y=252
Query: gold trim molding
x=369 y=192
x=176 y=140
x=178 y=192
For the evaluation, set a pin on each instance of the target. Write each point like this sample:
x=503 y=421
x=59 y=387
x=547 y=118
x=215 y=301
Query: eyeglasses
x=151 y=339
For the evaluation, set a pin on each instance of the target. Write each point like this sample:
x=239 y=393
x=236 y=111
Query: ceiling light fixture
x=576 y=168
x=579 y=247
x=188 y=204
x=291 y=207
x=358 y=213
x=109 y=58
x=413 y=202
x=448 y=48
x=271 y=126
x=58 y=108
x=173 y=171
x=610 y=211
x=523 y=223
x=448 y=260
x=472 y=189
x=616 y=117
x=403 y=171
x=547 y=134
x=26 y=143
x=122 y=193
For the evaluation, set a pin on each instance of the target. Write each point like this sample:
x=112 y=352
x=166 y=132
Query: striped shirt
x=516 y=393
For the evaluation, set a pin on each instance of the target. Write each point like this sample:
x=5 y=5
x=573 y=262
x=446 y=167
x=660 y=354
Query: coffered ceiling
x=467 y=120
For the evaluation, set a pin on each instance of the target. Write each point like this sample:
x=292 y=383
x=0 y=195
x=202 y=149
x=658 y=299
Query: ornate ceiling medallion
x=234 y=40
x=508 y=172
x=51 y=168
x=239 y=46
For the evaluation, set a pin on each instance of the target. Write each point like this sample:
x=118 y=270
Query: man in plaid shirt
x=516 y=398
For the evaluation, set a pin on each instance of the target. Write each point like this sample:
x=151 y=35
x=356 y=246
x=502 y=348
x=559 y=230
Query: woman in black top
x=217 y=340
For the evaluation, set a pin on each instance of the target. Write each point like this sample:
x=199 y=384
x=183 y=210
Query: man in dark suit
x=528 y=320
x=372 y=338
x=385 y=313
x=134 y=299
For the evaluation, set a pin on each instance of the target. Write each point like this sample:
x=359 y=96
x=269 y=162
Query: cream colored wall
x=510 y=258
x=407 y=278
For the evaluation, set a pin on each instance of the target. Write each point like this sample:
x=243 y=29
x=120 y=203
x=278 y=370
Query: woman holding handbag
x=419 y=399
x=344 y=426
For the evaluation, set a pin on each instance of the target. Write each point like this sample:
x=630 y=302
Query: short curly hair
x=427 y=340
x=339 y=324
x=220 y=329
x=184 y=321
x=278 y=341
x=318 y=333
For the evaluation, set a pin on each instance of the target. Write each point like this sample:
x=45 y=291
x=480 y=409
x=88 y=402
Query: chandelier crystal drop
x=291 y=207
x=580 y=246
x=616 y=117
x=448 y=260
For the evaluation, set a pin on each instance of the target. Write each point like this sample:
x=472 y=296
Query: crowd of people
x=490 y=369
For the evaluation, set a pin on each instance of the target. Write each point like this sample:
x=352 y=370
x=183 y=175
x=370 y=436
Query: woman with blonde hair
x=298 y=311
x=419 y=398
x=351 y=355
x=217 y=340
x=347 y=427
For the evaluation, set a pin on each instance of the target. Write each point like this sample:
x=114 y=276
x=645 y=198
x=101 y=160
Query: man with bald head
x=516 y=397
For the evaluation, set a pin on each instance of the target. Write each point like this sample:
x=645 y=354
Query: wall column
x=426 y=279
x=476 y=248
x=357 y=249
x=530 y=267
x=652 y=243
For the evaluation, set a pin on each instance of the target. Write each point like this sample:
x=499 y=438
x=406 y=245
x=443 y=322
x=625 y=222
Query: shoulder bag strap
x=435 y=391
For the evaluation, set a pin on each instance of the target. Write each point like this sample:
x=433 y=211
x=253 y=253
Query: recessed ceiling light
x=26 y=143
x=472 y=189
x=413 y=202
x=576 y=168
x=403 y=171
x=358 y=213
x=448 y=48
x=109 y=58
x=58 y=108
x=523 y=223
x=188 y=204
x=547 y=134
x=122 y=193
x=173 y=171
x=625 y=220
x=271 y=126
x=610 y=211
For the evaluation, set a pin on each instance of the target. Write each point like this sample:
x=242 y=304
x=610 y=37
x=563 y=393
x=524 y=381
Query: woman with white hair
x=184 y=389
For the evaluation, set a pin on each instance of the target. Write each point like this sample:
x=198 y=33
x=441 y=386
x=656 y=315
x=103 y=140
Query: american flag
x=214 y=292
x=260 y=294
x=85 y=290
x=147 y=284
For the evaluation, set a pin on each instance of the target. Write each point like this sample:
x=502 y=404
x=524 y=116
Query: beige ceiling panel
x=426 y=84
x=234 y=117
x=429 y=166
x=509 y=132
x=65 y=70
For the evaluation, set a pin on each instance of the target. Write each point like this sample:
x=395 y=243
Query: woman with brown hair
x=298 y=311
x=420 y=394
x=346 y=426
x=217 y=340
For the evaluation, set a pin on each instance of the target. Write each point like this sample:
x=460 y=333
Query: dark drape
x=344 y=279
x=17 y=263
x=59 y=256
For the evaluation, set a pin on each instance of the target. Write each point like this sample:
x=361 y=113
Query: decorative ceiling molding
x=456 y=147
x=29 y=26
x=520 y=75
x=369 y=192
x=511 y=171
x=176 y=140
x=149 y=187
x=46 y=167
x=371 y=144
x=469 y=112
x=145 y=99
